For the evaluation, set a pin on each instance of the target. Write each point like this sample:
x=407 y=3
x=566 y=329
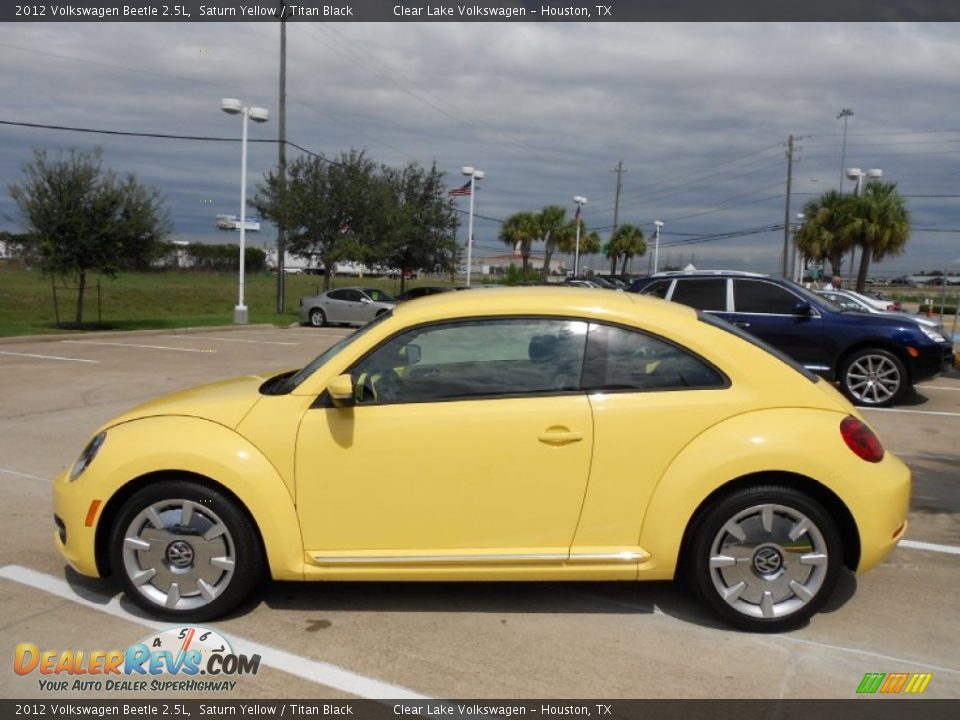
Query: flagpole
x=474 y=175
x=579 y=200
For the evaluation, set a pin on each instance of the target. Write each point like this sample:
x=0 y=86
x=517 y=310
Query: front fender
x=170 y=444
x=799 y=441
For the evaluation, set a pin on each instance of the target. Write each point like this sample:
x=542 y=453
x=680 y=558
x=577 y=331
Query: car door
x=768 y=310
x=469 y=442
x=337 y=305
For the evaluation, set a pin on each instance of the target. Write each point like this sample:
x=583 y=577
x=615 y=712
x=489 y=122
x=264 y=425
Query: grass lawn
x=136 y=301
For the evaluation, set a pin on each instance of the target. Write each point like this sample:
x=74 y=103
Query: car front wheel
x=765 y=558
x=185 y=551
x=873 y=378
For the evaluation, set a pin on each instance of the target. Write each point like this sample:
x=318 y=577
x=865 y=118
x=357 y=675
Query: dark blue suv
x=875 y=358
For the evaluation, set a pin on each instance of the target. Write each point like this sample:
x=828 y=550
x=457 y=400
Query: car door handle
x=742 y=324
x=560 y=437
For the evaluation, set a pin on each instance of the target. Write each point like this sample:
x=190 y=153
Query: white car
x=354 y=306
x=850 y=300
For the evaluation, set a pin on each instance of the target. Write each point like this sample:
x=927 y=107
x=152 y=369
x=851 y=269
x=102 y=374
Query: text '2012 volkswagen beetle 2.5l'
x=555 y=434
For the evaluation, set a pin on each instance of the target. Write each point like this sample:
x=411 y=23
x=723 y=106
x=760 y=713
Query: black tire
x=317 y=318
x=774 y=583
x=216 y=574
x=873 y=378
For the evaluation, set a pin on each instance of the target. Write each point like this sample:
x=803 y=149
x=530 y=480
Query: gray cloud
x=697 y=112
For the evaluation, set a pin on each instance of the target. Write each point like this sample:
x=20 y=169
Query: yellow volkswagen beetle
x=514 y=434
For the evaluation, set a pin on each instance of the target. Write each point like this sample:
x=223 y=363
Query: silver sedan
x=354 y=306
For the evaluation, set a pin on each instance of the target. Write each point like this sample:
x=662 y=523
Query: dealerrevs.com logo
x=180 y=659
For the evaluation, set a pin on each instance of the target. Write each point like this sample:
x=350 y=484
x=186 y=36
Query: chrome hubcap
x=873 y=379
x=179 y=554
x=768 y=561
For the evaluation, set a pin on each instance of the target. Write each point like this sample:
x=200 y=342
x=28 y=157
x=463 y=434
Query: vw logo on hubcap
x=767 y=560
x=180 y=553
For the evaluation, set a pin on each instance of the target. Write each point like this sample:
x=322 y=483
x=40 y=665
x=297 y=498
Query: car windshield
x=379 y=295
x=290 y=383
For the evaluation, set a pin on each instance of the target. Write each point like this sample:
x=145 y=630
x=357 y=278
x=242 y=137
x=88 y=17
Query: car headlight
x=932 y=334
x=87 y=456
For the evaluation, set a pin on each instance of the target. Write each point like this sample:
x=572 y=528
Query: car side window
x=757 y=296
x=339 y=295
x=474 y=359
x=658 y=288
x=701 y=293
x=625 y=360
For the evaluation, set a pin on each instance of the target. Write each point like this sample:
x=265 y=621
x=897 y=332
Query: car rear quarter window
x=658 y=288
x=619 y=359
x=758 y=296
x=701 y=293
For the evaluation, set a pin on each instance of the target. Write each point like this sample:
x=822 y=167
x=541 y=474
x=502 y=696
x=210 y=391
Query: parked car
x=858 y=303
x=352 y=468
x=349 y=306
x=875 y=358
x=423 y=291
x=583 y=283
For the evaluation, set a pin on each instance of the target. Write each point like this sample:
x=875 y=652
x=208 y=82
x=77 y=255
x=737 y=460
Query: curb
x=132 y=333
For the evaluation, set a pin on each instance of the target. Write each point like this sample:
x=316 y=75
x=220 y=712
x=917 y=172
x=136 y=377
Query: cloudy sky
x=698 y=113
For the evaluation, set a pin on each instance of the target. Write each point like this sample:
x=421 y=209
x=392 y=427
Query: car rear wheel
x=765 y=558
x=317 y=318
x=185 y=551
x=873 y=378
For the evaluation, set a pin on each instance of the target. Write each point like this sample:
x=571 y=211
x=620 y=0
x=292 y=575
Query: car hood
x=226 y=402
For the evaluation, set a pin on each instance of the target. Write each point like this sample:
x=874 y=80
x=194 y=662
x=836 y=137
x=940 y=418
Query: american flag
x=461 y=191
x=576 y=217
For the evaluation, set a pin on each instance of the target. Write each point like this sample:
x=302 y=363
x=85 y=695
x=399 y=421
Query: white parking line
x=332 y=676
x=131 y=345
x=47 y=357
x=938 y=387
x=913 y=412
x=240 y=340
x=28 y=476
x=933 y=547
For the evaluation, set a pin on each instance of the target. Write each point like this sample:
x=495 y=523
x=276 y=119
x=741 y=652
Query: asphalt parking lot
x=610 y=640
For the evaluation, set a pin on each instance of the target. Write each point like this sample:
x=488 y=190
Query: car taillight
x=861 y=439
x=891 y=308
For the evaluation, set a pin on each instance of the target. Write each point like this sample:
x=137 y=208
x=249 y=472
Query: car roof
x=705 y=273
x=542 y=300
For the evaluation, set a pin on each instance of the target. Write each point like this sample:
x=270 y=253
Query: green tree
x=330 y=209
x=82 y=218
x=626 y=242
x=877 y=221
x=553 y=226
x=823 y=235
x=521 y=230
x=417 y=221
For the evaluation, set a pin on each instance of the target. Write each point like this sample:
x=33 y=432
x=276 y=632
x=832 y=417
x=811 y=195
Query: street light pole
x=656 y=244
x=580 y=201
x=232 y=106
x=845 y=113
x=474 y=175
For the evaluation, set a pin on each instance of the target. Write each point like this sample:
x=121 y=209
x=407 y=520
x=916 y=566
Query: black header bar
x=484 y=11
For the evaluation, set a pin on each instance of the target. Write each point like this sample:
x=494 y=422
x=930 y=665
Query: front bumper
x=75 y=534
x=933 y=360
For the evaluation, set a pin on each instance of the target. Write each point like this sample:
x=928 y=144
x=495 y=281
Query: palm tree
x=627 y=241
x=879 y=223
x=822 y=235
x=521 y=230
x=552 y=220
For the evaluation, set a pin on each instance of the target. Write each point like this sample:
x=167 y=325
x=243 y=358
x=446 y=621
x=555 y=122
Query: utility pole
x=784 y=269
x=282 y=168
x=844 y=115
x=616 y=210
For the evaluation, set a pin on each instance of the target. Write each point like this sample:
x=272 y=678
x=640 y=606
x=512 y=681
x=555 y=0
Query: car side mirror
x=366 y=300
x=341 y=391
x=802 y=307
x=410 y=354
